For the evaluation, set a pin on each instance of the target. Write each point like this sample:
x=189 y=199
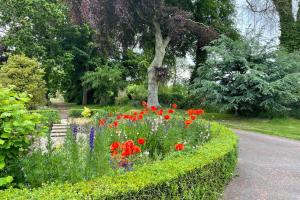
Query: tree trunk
x=84 y=96
x=160 y=51
x=201 y=57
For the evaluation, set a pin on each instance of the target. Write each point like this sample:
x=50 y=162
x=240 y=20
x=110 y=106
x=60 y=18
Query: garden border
x=202 y=174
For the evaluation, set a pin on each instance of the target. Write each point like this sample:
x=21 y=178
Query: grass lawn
x=284 y=127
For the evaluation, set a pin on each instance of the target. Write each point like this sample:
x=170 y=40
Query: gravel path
x=268 y=169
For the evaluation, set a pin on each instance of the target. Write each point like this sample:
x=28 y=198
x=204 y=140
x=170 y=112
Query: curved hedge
x=198 y=175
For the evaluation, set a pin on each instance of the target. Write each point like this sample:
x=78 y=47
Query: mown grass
x=283 y=127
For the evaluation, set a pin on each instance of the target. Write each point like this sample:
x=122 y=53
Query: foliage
x=135 y=66
x=86 y=112
x=40 y=167
x=27 y=75
x=18 y=129
x=133 y=139
x=136 y=92
x=289 y=25
x=167 y=94
x=204 y=11
x=122 y=24
x=48 y=117
x=197 y=175
x=81 y=57
x=106 y=81
x=246 y=78
x=36 y=28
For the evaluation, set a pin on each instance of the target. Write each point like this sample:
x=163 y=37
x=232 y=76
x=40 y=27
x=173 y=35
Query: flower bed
x=201 y=174
x=141 y=154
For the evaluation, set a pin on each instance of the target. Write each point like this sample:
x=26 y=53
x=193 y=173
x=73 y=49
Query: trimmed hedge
x=198 y=175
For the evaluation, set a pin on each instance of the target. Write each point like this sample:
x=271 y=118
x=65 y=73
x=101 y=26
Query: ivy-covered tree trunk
x=160 y=51
x=289 y=26
x=201 y=56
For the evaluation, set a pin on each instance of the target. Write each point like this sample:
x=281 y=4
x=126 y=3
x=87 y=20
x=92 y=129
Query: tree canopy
x=247 y=78
x=120 y=24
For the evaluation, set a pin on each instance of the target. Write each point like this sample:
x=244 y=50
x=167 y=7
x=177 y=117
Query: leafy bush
x=167 y=95
x=18 y=128
x=49 y=117
x=105 y=81
x=201 y=174
x=77 y=113
x=245 y=78
x=27 y=75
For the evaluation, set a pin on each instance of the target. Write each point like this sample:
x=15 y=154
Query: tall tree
x=124 y=22
x=289 y=21
x=35 y=28
x=217 y=14
x=246 y=78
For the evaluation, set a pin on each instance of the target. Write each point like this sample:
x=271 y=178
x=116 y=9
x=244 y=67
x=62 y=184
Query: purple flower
x=75 y=131
x=92 y=138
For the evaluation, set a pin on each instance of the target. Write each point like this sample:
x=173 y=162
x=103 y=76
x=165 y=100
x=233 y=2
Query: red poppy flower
x=193 y=117
x=140 y=117
x=102 y=122
x=170 y=111
x=174 y=105
x=153 y=108
x=136 y=149
x=115 y=146
x=126 y=153
x=128 y=144
x=160 y=112
x=190 y=112
x=179 y=147
x=199 y=112
x=116 y=123
x=167 y=117
x=141 y=141
x=119 y=117
x=134 y=119
x=188 y=122
x=135 y=113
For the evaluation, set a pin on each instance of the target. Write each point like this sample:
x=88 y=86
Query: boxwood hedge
x=198 y=175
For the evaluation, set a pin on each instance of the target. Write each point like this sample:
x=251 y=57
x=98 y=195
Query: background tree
x=289 y=21
x=106 y=81
x=120 y=21
x=217 y=14
x=35 y=28
x=27 y=75
x=247 y=78
x=82 y=56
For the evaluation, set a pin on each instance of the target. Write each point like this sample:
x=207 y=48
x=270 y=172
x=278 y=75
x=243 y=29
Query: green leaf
x=6 y=180
x=1 y=141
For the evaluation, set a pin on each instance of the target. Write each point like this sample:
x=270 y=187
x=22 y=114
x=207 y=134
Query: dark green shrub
x=198 y=175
